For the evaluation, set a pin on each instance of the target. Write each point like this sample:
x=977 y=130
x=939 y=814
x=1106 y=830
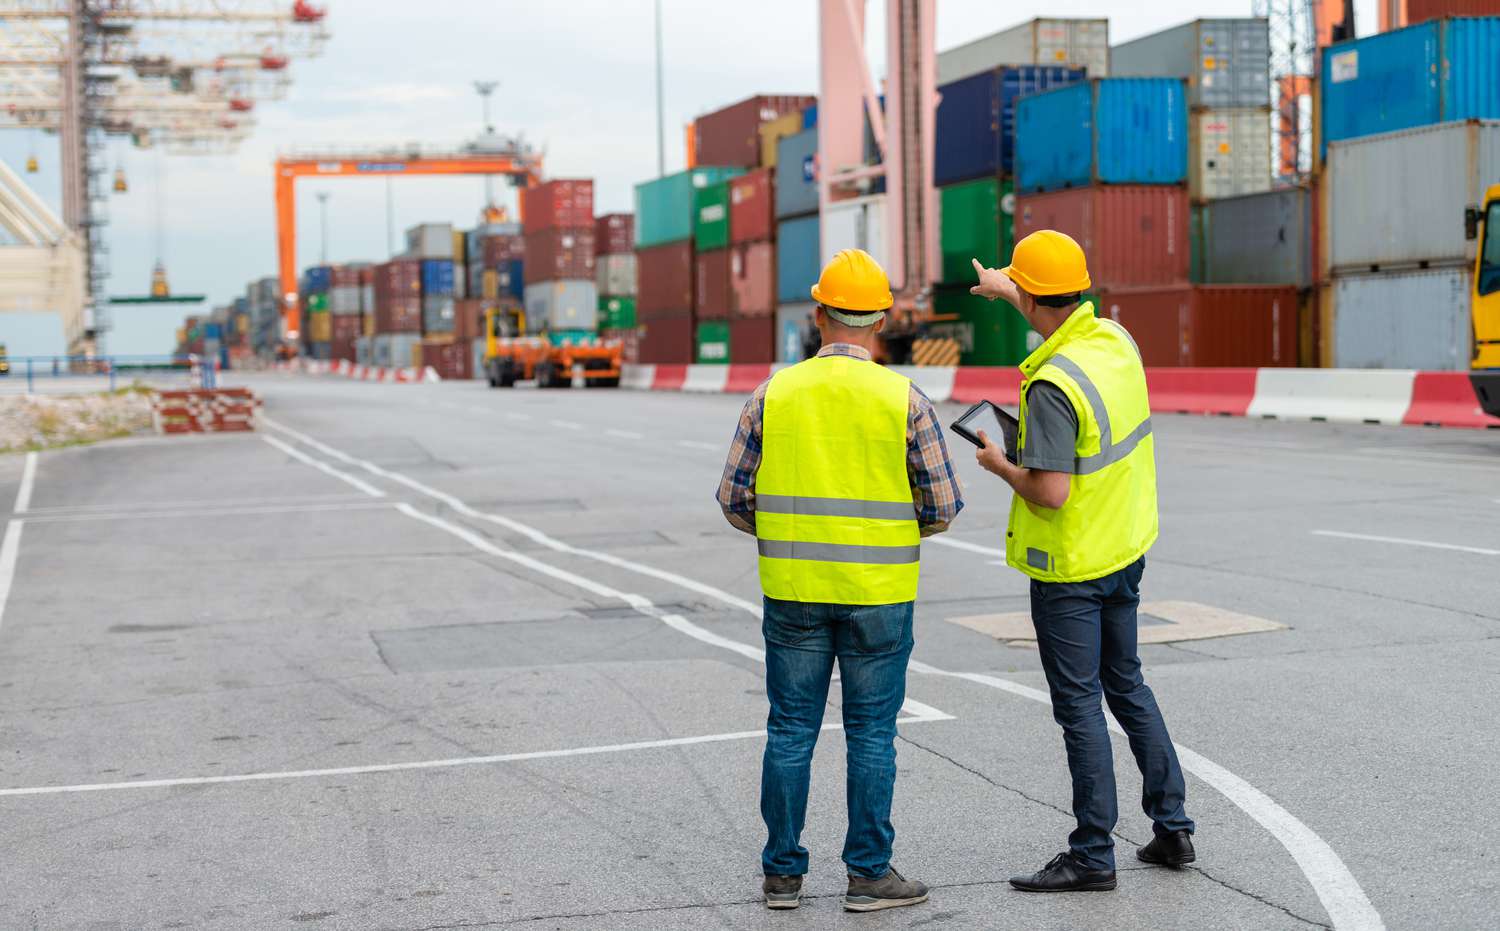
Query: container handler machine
x=510 y=357
x=1484 y=302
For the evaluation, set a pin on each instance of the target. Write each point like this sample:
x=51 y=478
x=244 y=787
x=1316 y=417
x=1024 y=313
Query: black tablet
x=998 y=425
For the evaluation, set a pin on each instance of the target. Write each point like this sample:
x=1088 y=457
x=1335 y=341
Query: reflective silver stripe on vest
x=1110 y=452
x=840 y=552
x=835 y=507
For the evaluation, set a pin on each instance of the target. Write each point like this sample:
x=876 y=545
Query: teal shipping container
x=1437 y=72
x=1103 y=131
x=664 y=206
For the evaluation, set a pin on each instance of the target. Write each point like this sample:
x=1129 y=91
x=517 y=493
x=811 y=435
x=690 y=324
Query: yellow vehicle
x=1485 y=299
x=510 y=357
x=4 y=360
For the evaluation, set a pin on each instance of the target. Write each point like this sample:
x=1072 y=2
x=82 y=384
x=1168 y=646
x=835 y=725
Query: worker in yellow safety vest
x=839 y=468
x=1082 y=517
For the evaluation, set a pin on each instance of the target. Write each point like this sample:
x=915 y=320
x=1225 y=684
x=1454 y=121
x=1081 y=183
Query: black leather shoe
x=1174 y=850
x=1065 y=874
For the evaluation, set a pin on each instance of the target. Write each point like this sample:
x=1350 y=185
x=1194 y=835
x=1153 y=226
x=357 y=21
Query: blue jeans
x=1086 y=633
x=872 y=644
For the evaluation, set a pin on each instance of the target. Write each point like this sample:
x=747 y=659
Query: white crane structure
x=184 y=75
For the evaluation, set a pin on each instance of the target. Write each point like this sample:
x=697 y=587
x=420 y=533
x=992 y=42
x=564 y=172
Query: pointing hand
x=994 y=283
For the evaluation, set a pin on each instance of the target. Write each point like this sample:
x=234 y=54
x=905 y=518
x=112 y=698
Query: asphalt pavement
x=441 y=656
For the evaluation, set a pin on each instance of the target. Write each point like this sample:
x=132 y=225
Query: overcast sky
x=576 y=77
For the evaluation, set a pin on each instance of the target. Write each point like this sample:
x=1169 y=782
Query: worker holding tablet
x=1081 y=521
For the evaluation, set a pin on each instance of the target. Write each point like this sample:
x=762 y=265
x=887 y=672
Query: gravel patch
x=40 y=422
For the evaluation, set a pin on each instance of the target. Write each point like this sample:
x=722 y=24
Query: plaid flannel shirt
x=934 y=484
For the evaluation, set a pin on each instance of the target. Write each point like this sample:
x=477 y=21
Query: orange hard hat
x=1047 y=263
x=853 y=281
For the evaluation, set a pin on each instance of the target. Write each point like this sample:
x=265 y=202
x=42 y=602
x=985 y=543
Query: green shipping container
x=712 y=343
x=988 y=332
x=664 y=207
x=711 y=217
x=1197 y=235
x=317 y=303
x=616 y=313
x=978 y=221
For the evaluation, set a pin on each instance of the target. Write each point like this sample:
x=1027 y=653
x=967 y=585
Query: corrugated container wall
x=752 y=341
x=430 y=241
x=1420 y=11
x=1132 y=234
x=616 y=273
x=1231 y=153
x=1221 y=326
x=667 y=340
x=664 y=280
x=556 y=254
x=976 y=119
x=711 y=216
x=858 y=223
x=664 y=206
x=796 y=174
x=711 y=342
x=977 y=222
x=1079 y=42
x=563 y=202
x=752 y=207
x=1403 y=320
x=1227 y=61
x=1112 y=131
x=773 y=132
x=797 y=259
x=614 y=233
x=711 y=285
x=1435 y=72
x=752 y=279
x=562 y=305
x=1259 y=239
x=731 y=136
x=1398 y=198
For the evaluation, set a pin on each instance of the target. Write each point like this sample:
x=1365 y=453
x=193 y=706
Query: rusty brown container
x=468 y=318
x=664 y=279
x=1420 y=11
x=614 y=234
x=667 y=340
x=345 y=329
x=559 y=254
x=562 y=203
x=398 y=315
x=1134 y=235
x=343 y=276
x=731 y=136
x=752 y=279
x=450 y=358
x=752 y=341
x=398 y=296
x=496 y=250
x=711 y=285
x=1253 y=326
x=752 y=207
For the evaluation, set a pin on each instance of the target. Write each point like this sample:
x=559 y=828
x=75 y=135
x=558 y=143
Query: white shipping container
x=343 y=300
x=1227 y=61
x=562 y=305
x=393 y=350
x=430 y=241
x=1398 y=199
x=854 y=224
x=1231 y=153
x=1077 y=42
x=794 y=332
x=367 y=298
x=1403 y=320
x=616 y=274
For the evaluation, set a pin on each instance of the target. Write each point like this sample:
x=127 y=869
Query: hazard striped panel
x=935 y=352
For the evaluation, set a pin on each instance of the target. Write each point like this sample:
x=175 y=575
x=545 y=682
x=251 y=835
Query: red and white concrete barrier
x=347 y=369
x=1443 y=399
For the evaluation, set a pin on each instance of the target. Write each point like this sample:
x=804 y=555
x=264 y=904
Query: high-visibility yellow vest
x=834 y=513
x=1109 y=520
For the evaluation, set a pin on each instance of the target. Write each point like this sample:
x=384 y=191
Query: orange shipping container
x=1252 y=326
x=1134 y=235
x=752 y=279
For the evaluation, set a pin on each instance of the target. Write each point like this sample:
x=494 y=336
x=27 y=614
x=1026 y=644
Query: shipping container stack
x=345 y=303
x=614 y=243
x=495 y=275
x=317 y=328
x=797 y=240
x=561 y=296
x=397 y=317
x=436 y=248
x=1410 y=128
x=263 y=299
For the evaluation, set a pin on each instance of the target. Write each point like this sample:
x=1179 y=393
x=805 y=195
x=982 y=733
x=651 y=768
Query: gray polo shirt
x=1051 y=429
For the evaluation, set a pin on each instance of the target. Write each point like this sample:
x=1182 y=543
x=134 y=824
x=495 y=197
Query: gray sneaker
x=782 y=891
x=889 y=891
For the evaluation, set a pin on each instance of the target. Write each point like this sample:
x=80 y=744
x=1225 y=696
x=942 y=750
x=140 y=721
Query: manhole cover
x=1158 y=622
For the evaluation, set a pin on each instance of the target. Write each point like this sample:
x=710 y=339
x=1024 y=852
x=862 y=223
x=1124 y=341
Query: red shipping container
x=367 y=275
x=614 y=234
x=398 y=315
x=752 y=279
x=1252 y=326
x=664 y=279
x=399 y=278
x=629 y=340
x=346 y=328
x=1133 y=235
x=1420 y=11
x=753 y=340
x=451 y=359
x=667 y=340
x=562 y=204
x=711 y=285
x=731 y=136
x=498 y=249
x=557 y=254
x=342 y=276
x=752 y=207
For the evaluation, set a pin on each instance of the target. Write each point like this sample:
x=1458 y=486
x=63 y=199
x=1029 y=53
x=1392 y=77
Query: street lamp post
x=661 y=132
x=485 y=89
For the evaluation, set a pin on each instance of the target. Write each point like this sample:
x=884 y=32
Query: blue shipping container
x=976 y=119
x=1103 y=131
x=512 y=279
x=810 y=117
x=317 y=279
x=797 y=174
x=437 y=276
x=796 y=258
x=1435 y=72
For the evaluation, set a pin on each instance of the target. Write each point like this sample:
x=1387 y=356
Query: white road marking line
x=566 y=424
x=625 y=434
x=1428 y=544
x=299 y=455
x=361 y=505
x=28 y=479
x=123 y=507
x=516 y=415
x=694 y=444
x=1347 y=906
x=9 y=550
x=964 y=545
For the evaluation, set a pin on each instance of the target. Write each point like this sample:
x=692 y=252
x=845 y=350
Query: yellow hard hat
x=854 y=281
x=1048 y=262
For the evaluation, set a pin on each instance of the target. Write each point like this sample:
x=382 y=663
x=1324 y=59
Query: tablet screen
x=999 y=426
